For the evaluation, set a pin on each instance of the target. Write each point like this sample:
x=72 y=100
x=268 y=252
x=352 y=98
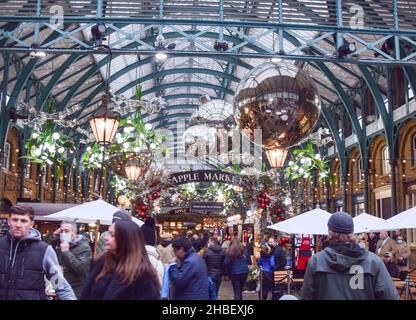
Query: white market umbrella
x=404 y=220
x=90 y=212
x=368 y=223
x=310 y=222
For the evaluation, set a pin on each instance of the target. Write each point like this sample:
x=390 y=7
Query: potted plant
x=252 y=278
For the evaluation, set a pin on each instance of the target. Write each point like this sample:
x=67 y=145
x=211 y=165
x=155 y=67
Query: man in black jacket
x=372 y=241
x=279 y=265
x=26 y=261
x=279 y=255
x=214 y=258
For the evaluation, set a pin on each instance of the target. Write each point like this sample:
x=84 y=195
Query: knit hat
x=341 y=222
x=121 y=215
x=149 y=231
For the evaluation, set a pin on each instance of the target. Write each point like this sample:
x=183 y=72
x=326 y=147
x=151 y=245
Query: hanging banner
x=205 y=176
x=207 y=206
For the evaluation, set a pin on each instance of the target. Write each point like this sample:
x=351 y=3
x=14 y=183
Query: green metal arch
x=40 y=100
x=347 y=102
x=329 y=118
x=27 y=71
x=188 y=84
x=104 y=61
x=163 y=73
x=379 y=102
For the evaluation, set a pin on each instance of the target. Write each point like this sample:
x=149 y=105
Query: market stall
x=404 y=220
x=313 y=222
x=368 y=223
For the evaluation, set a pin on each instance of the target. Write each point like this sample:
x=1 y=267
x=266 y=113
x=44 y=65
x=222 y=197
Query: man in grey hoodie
x=344 y=271
x=27 y=260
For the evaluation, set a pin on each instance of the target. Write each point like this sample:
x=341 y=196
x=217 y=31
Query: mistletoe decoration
x=46 y=146
x=134 y=137
x=306 y=162
x=123 y=186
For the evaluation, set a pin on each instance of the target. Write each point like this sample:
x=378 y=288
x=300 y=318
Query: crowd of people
x=129 y=264
x=394 y=251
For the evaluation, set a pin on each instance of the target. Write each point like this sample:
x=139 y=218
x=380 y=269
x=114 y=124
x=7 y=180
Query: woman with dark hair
x=237 y=267
x=124 y=271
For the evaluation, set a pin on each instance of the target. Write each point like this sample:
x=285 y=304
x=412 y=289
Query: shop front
x=357 y=203
x=338 y=205
x=383 y=202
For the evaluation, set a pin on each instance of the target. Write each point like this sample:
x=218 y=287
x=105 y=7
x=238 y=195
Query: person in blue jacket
x=266 y=262
x=237 y=265
x=189 y=276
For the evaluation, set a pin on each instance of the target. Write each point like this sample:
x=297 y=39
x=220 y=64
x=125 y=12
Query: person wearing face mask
x=74 y=255
x=402 y=255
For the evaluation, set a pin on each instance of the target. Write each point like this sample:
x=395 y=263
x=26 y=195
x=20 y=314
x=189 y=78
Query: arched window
x=414 y=150
x=385 y=165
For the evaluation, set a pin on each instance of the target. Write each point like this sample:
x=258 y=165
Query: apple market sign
x=206 y=176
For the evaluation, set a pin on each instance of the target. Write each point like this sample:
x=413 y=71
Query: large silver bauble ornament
x=281 y=100
x=215 y=113
x=200 y=140
x=210 y=128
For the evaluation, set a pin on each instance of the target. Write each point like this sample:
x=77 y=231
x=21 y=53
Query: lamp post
x=104 y=123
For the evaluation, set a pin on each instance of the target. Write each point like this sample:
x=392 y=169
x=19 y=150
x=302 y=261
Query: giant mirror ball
x=281 y=100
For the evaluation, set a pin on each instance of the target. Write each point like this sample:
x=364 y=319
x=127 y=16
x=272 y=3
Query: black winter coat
x=21 y=268
x=279 y=259
x=372 y=243
x=111 y=288
x=214 y=258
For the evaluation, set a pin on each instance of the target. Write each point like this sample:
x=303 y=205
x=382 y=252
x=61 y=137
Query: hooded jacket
x=347 y=272
x=190 y=278
x=214 y=258
x=76 y=263
x=23 y=265
x=156 y=263
x=166 y=252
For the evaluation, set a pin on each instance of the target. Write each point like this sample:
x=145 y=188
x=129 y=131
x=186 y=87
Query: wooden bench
x=282 y=277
